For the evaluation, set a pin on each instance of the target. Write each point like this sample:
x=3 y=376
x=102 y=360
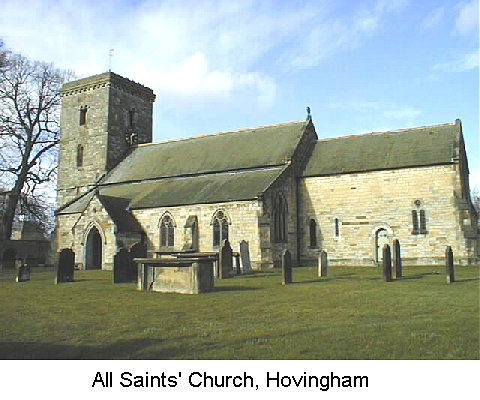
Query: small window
x=423 y=222
x=167 y=232
x=220 y=228
x=415 y=230
x=79 y=156
x=131 y=118
x=337 y=227
x=83 y=115
x=313 y=233
x=419 y=222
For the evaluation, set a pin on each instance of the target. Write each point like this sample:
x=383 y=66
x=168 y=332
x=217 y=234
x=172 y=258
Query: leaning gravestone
x=225 y=260
x=286 y=267
x=65 y=266
x=23 y=271
x=245 y=257
x=323 y=264
x=121 y=265
x=397 y=259
x=449 y=265
x=387 y=263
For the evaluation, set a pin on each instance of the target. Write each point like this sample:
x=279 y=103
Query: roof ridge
x=402 y=130
x=222 y=133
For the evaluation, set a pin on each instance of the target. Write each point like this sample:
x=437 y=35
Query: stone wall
x=242 y=217
x=73 y=229
x=366 y=202
x=108 y=99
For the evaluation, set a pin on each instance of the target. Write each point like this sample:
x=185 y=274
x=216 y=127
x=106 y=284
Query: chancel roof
x=429 y=145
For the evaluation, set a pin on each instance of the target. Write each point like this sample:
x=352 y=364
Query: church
x=276 y=187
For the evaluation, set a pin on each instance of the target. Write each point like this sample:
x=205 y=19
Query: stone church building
x=276 y=187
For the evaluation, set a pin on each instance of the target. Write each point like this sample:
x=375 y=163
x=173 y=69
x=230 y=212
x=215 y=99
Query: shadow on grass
x=125 y=349
x=467 y=280
x=232 y=289
x=309 y=281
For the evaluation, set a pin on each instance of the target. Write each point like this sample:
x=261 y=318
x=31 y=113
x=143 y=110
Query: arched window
x=167 y=231
x=83 y=115
x=79 y=155
x=313 y=233
x=419 y=219
x=280 y=215
x=219 y=227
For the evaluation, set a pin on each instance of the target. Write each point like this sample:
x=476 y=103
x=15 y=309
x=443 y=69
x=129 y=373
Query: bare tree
x=3 y=54
x=29 y=130
x=475 y=195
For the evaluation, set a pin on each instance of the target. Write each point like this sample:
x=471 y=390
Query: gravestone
x=286 y=267
x=225 y=260
x=121 y=264
x=23 y=271
x=245 y=257
x=237 y=264
x=323 y=264
x=387 y=263
x=65 y=266
x=449 y=265
x=397 y=259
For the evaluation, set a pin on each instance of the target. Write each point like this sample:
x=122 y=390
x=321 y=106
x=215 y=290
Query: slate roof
x=429 y=145
x=228 y=166
x=210 y=188
x=245 y=149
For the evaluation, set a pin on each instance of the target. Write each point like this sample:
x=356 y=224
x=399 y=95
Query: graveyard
x=351 y=313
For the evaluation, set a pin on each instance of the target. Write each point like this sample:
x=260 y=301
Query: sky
x=361 y=66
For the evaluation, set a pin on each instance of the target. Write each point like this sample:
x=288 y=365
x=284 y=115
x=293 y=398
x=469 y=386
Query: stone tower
x=102 y=118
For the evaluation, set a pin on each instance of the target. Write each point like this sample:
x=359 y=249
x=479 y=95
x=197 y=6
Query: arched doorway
x=381 y=238
x=93 y=250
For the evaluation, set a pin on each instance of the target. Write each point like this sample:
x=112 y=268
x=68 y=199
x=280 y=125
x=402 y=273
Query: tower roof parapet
x=107 y=79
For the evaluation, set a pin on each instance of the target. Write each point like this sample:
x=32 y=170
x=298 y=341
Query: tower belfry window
x=83 y=115
x=131 y=118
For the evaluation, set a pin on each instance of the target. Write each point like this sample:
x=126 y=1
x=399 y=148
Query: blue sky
x=215 y=66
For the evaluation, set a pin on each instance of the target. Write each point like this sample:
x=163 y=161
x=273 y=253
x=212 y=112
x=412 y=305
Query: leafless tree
x=475 y=195
x=3 y=54
x=29 y=131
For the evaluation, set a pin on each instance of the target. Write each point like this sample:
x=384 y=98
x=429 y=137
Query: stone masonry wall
x=72 y=231
x=108 y=98
x=366 y=202
x=242 y=215
x=93 y=136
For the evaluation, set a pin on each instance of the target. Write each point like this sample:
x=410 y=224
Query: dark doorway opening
x=94 y=248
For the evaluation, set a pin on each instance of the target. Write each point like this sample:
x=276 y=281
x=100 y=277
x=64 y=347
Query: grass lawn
x=352 y=314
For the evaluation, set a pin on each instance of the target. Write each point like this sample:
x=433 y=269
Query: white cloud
x=467 y=19
x=329 y=36
x=464 y=62
x=188 y=49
